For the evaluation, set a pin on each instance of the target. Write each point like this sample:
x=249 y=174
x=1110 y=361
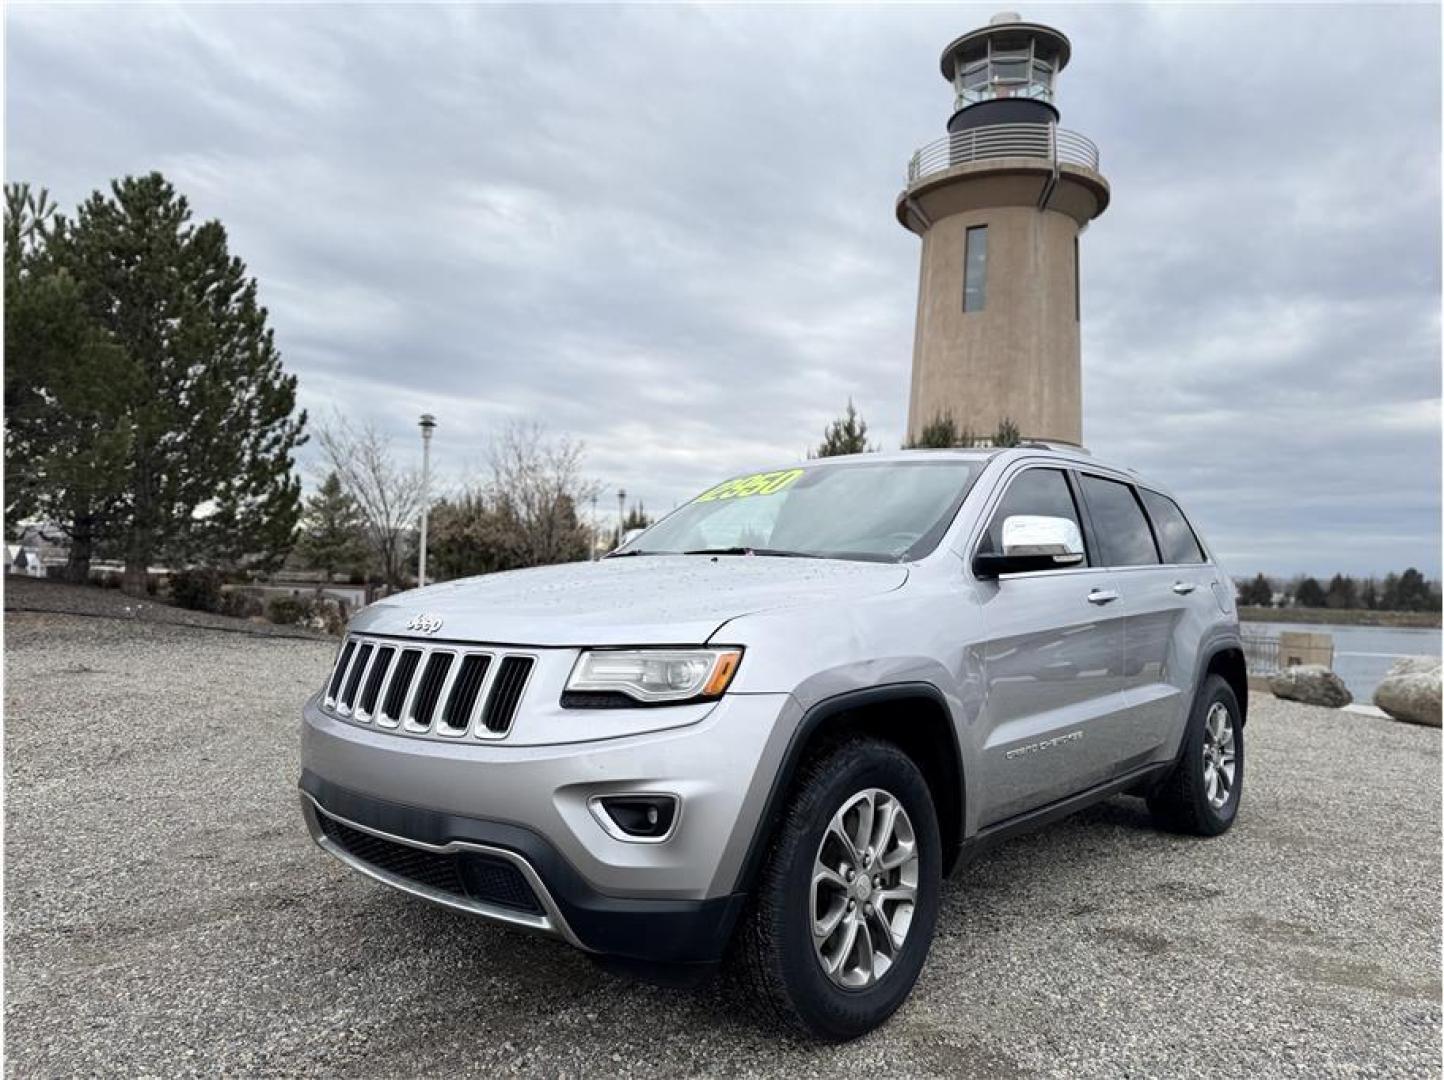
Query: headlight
x=606 y=678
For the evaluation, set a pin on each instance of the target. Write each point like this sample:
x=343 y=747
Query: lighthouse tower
x=999 y=203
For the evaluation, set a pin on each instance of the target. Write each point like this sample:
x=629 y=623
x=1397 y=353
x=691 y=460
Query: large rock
x=1415 y=665
x=1412 y=690
x=1313 y=684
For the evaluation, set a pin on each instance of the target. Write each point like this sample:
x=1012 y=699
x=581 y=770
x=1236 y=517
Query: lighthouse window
x=975 y=268
x=1010 y=69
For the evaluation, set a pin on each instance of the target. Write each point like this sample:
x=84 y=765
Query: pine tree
x=1413 y=592
x=1007 y=433
x=845 y=435
x=1309 y=594
x=1369 y=595
x=331 y=536
x=939 y=433
x=1389 y=593
x=211 y=413
x=636 y=518
x=67 y=437
x=1342 y=593
x=1256 y=593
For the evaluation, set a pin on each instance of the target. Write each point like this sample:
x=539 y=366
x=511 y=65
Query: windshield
x=885 y=512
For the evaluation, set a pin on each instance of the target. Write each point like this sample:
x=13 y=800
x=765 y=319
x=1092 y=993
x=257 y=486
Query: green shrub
x=287 y=610
x=197 y=589
x=241 y=604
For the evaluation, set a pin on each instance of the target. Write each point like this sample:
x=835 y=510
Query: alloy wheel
x=864 y=889
x=1220 y=761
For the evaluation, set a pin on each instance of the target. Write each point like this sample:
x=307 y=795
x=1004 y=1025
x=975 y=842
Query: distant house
x=23 y=560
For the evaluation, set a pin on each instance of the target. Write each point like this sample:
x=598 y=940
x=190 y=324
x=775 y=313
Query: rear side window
x=1175 y=537
x=1120 y=528
x=1033 y=491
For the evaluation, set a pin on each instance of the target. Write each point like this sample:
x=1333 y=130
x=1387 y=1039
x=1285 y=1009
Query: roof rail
x=1044 y=444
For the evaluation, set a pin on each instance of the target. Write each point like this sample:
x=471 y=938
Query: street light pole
x=621 y=513
x=428 y=424
x=594 y=527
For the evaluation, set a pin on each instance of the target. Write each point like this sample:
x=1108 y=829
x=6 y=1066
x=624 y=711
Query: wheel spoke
x=865 y=958
x=902 y=891
x=887 y=823
x=849 y=941
x=824 y=874
x=899 y=855
x=884 y=924
x=866 y=811
x=825 y=927
x=839 y=830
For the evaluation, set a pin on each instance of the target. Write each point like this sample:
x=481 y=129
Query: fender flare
x=812 y=721
x=1211 y=653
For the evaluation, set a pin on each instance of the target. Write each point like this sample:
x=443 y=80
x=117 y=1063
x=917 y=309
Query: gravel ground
x=167 y=914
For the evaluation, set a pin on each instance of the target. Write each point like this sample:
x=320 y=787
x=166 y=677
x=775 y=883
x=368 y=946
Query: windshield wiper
x=624 y=554
x=750 y=551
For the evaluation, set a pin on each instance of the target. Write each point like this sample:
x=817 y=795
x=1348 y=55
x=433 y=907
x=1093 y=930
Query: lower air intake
x=468 y=874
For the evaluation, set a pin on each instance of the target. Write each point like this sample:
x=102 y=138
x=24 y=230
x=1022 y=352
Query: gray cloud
x=669 y=231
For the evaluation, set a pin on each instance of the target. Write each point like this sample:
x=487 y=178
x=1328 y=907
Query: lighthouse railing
x=1047 y=142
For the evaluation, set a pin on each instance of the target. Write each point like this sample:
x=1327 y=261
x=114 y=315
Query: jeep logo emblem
x=425 y=624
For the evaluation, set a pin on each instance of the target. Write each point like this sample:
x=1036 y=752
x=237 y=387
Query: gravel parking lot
x=167 y=913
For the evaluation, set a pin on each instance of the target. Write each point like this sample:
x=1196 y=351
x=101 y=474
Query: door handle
x=1183 y=588
x=1102 y=596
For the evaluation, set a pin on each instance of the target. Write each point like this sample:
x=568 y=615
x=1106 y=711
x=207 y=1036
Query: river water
x=1362 y=654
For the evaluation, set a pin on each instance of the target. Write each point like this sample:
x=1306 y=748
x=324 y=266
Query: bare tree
x=388 y=495
x=538 y=482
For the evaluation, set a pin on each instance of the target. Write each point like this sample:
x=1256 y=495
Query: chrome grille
x=400 y=687
x=428 y=690
x=379 y=666
x=462 y=700
x=353 y=677
x=506 y=694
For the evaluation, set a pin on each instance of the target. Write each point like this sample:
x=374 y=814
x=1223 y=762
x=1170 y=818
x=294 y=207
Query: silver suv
x=768 y=727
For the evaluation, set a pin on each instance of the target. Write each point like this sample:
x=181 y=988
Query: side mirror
x=1031 y=543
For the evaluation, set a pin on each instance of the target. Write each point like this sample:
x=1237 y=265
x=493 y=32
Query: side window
x=1033 y=491
x=1122 y=532
x=1177 y=540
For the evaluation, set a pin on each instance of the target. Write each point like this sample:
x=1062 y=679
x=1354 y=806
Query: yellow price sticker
x=742 y=487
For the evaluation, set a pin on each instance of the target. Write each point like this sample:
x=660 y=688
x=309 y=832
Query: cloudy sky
x=668 y=231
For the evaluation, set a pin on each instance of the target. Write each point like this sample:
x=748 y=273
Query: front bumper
x=525 y=807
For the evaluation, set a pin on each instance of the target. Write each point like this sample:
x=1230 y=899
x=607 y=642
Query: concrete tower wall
x=1019 y=357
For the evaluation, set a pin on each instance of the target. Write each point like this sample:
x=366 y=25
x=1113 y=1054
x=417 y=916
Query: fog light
x=643 y=818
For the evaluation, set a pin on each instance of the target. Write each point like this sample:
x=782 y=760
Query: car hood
x=649 y=599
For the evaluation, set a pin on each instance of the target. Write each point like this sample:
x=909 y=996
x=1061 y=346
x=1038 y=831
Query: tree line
x=361 y=521
x=848 y=435
x=148 y=419
x=1407 y=591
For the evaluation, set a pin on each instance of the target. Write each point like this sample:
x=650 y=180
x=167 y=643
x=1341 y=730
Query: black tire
x=773 y=960
x=1180 y=803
